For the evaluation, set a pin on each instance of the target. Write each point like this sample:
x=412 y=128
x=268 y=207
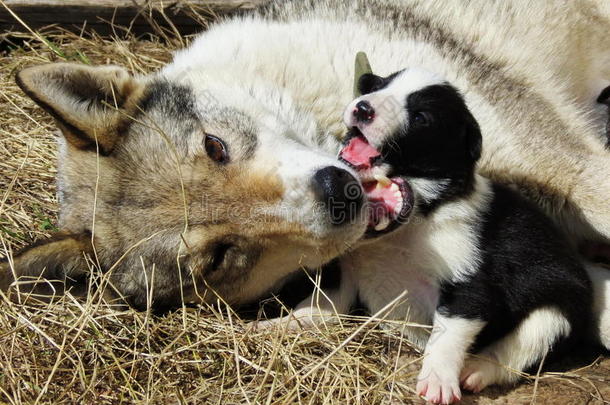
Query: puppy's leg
x=503 y=361
x=322 y=307
x=444 y=356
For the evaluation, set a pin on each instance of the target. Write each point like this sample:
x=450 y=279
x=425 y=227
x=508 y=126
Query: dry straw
x=87 y=351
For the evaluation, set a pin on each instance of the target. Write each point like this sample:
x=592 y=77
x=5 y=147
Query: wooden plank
x=141 y=15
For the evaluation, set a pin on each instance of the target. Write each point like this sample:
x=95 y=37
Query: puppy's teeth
x=394 y=187
x=383 y=224
x=382 y=180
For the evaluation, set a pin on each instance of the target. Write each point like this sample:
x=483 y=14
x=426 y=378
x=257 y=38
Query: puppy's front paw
x=438 y=385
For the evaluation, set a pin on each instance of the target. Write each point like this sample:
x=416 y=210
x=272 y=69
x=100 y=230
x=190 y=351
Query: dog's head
x=413 y=141
x=190 y=182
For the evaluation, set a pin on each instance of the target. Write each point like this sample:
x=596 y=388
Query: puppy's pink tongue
x=359 y=153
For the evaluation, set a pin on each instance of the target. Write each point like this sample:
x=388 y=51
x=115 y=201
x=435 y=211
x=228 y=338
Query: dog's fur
x=171 y=224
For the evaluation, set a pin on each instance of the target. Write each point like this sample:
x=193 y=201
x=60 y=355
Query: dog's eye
x=219 y=254
x=421 y=118
x=216 y=149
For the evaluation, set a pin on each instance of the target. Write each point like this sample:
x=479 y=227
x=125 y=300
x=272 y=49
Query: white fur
x=428 y=190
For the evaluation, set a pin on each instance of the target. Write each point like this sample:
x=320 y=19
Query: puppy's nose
x=364 y=112
x=340 y=193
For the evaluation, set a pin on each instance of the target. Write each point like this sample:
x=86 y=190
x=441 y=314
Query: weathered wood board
x=139 y=16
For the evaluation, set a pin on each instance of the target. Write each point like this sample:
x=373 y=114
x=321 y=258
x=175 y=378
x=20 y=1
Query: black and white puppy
x=487 y=267
x=447 y=247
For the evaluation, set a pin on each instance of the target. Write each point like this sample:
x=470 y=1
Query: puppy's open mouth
x=389 y=199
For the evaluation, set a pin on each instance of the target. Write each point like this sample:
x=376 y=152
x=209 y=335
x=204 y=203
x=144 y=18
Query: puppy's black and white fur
x=484 y=266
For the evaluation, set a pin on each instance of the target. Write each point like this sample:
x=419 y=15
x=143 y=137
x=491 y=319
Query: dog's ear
x=45 y=267
x=369 y=83
x=90 y=104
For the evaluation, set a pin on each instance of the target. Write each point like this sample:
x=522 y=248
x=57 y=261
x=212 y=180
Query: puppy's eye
x=421 y=118
x=216 y=149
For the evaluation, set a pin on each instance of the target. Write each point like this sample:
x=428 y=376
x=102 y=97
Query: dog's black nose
x=364 y=111
x=340 y=193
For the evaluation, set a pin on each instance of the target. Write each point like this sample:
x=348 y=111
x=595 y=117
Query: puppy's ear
x=369 y=83
x=90 y=104
x=44 y=267
x=473 y=137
